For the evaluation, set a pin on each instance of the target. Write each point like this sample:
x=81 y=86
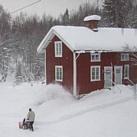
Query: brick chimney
x=92 y=21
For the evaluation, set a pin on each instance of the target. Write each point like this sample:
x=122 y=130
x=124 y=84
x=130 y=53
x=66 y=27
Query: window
x=124 y=57
x=126 y=71
x=95 y=57
x=58 y=73
x=58 y=48
x=95 y=73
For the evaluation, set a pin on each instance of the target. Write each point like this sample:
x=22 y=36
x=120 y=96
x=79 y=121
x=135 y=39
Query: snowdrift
x=104 y=113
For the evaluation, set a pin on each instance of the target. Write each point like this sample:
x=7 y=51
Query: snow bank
x=95 y=100
x=26 y=96
x=53 y=92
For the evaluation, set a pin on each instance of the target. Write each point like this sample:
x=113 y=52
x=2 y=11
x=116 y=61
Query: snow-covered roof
x=83 y=38
x=92 y=17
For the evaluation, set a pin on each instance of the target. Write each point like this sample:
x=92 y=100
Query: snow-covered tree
x=109 y=13
x=65 y=17
x=116 y=12
x=4 y=38
x=132 y=17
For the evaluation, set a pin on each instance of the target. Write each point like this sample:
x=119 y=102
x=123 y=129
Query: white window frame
x=58 y=48
x=91 y=72
x=58 y=73
x=95 y=57
x=124 y=56
x=126 y=71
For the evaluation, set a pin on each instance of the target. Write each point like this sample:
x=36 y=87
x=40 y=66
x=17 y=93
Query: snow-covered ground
x=104 y=113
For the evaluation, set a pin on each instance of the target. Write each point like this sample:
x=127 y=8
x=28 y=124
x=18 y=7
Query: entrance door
x=107 y=77
x=118 y=74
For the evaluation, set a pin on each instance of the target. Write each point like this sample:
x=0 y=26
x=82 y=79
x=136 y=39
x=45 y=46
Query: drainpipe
x=75 y=93
x=45 y=67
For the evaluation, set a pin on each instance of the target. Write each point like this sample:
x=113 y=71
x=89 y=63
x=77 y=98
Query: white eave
x=44 y=42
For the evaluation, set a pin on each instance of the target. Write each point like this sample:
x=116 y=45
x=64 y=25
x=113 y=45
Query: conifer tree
x=109 y=13
x=116 y=11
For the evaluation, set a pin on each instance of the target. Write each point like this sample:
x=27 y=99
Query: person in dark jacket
x=31 y=118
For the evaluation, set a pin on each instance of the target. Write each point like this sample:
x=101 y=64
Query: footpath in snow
x=104 y=113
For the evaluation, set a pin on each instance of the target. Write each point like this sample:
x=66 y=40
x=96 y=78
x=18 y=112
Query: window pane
x=95 y=57
x=95 y=73
x=126 y=71
x=58 y=49
x=124 y=57
x=58 y=73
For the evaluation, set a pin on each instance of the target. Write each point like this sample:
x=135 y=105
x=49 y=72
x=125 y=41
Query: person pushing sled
x=28 y=123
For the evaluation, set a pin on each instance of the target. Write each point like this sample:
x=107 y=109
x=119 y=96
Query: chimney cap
x=92 y=17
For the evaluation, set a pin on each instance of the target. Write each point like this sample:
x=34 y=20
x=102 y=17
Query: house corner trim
x=74 y=75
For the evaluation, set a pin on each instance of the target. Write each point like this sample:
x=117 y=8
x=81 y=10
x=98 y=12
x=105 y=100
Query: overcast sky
x=49 y=7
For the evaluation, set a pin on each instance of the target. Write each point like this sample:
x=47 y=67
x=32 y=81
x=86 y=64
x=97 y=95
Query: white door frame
x=111 y=77
x=115 y=75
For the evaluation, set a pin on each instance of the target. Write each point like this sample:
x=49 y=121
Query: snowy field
x=105 y=113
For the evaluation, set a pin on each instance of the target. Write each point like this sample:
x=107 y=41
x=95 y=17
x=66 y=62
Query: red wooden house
x=87 y=58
